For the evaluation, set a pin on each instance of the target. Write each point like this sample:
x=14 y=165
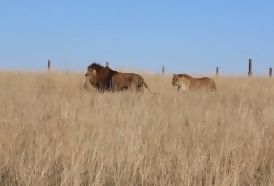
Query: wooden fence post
x=163 y=70
x=250 y=67
x=48 y=65
x=107 y=64
x=270 y=72
x=217 y=71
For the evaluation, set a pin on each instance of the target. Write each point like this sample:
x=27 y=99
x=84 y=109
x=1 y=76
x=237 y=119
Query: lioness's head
x=182 y=81
x=175 y=80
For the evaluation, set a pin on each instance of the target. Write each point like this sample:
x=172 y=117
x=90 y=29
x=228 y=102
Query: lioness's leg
x=183 y=87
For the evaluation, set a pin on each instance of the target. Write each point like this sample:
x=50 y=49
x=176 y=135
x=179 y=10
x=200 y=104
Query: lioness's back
x=207 y=82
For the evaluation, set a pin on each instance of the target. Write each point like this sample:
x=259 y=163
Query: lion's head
x=91 y=76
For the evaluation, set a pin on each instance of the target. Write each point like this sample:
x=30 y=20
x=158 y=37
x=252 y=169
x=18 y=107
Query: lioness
x=186 y=82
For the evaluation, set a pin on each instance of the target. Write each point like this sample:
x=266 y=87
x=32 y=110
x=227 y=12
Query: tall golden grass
x=53 y=132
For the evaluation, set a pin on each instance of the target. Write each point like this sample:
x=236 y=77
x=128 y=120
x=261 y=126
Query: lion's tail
x=214 y=89
x=144 y=83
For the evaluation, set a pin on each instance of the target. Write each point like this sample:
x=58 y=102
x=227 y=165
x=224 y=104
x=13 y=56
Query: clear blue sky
x=185 y=36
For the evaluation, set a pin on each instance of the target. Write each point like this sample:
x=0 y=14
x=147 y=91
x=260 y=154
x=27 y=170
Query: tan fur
x=186 y=82
x=122 y=81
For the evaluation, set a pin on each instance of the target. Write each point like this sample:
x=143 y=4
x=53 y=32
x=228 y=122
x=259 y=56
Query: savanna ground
x=53 y=132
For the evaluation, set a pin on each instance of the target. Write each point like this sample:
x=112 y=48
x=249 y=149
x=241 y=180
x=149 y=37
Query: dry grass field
x=53 y=132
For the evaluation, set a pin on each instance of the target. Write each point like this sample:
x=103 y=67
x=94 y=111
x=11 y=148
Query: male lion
x=186 y=82
x=106 y=79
